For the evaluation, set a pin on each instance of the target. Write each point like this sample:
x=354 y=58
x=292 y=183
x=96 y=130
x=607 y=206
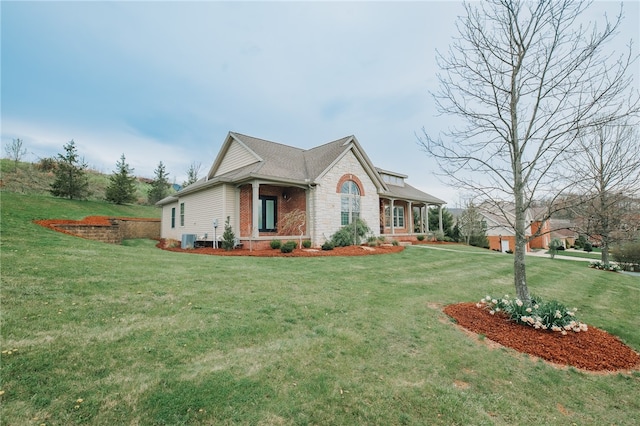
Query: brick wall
x=120 y=229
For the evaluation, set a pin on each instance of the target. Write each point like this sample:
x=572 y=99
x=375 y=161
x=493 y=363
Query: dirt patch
x=338 y=251
x=592 y=350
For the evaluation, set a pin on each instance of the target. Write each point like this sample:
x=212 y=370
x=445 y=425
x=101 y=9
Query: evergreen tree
x=71 y=179
x=447 y=221
x=122 y=188
x=160 y=185
x=228 y=237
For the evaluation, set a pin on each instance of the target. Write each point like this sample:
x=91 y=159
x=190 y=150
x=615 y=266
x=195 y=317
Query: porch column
x=255 y=218
x=426 y=219
x=393 y=230
x=411 y=221
x=422 y=209
x=440 y=217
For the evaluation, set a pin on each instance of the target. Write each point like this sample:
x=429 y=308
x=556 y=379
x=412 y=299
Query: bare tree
x=608 y=168
x=192 y=174
x=15 y=152
x=524 y=78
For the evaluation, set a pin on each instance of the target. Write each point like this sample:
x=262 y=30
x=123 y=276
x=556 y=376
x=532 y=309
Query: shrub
x=554 y=246
x=628 y=255
x=350 y=234
x=328 y=245
x=306 y=244
x=395 y=242
x=544 y=315
x=420 y=237
x=588 y=247
x=288 y=247
x=275 y=244
x=372 y=241
x=439 y=235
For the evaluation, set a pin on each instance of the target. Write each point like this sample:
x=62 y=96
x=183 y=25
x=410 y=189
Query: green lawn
x=104 y=334
x=594 y=255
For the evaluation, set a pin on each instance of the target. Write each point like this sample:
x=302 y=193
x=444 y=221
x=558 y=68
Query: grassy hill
x=93 y=333
x=28 y=178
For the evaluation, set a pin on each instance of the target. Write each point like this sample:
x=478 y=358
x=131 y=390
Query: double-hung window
x=349 y=202
x=267 y=213
x=173 y=217
x=398 y=216
x=181 y=214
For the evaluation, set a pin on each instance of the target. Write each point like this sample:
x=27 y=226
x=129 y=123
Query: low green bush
x=395 y=242
x=420 y=237
x=328 y=245
x=288 y=247
x=306 y=244
x=275 y=244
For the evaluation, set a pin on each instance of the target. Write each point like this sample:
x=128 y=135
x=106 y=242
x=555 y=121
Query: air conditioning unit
x=188 y=241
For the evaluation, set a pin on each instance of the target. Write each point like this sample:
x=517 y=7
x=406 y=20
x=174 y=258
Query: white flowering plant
x=543 y=315
x=612 y=267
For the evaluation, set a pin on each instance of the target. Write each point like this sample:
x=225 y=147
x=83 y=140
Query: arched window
x=349 y=202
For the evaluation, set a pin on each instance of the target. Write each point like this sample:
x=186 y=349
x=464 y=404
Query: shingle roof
x=284 y=161
x=290 y=164
x=408 y=192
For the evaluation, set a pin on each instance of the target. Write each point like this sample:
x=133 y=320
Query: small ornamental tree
x=160 y=185
x=554 y=245
x=71 y=179
x=121 y=188
x=228 y=237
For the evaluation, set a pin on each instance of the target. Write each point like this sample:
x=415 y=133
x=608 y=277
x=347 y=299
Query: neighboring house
x=500 y=219
x=563 y=230
x=258 y=184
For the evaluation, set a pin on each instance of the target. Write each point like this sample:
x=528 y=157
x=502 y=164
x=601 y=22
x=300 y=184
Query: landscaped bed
x=298 y=252
x=593 y=350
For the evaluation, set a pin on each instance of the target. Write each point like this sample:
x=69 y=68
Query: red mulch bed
x=592 y=350
x=338 y=251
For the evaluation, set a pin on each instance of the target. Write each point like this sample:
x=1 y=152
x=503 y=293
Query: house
x=261 y=185
x=499 y=218
x=563 y=230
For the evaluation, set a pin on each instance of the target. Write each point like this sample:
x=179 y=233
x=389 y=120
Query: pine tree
x=160 y=185
x=71 y=180
x=121 y=188
x=228 y=237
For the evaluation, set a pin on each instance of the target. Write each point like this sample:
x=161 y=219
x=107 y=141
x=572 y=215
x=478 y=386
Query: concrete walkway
x=543 y=253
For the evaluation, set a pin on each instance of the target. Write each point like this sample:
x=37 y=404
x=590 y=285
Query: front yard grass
x=130 y=334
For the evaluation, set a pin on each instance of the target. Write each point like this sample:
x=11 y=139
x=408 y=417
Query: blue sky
x=166 y=81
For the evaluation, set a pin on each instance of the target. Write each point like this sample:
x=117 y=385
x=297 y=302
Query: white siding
x=166 y=231
x=237 y=156
x=327 y=200
x=200 y=209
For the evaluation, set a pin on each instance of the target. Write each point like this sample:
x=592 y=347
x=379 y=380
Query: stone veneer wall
x=120 y=229
x=327 y=200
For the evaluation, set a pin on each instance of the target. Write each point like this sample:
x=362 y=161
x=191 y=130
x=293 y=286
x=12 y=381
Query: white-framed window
x=349 y=202
x=398 y=216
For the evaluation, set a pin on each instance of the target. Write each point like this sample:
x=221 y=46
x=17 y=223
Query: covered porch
x=404 y=213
